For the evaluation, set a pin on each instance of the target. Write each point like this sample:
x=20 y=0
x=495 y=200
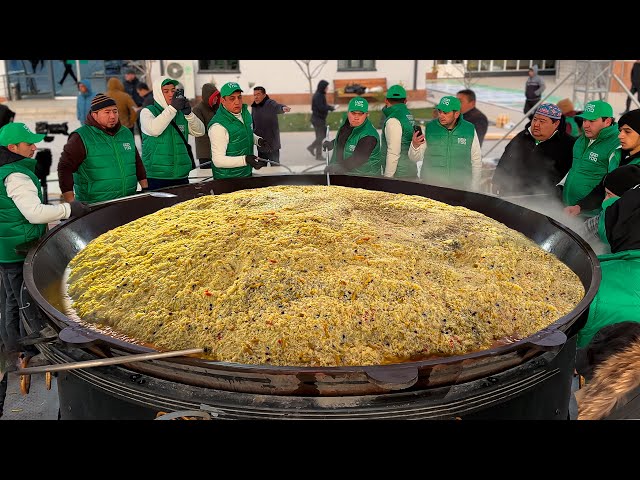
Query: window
x=220 y=66
x=356 y=65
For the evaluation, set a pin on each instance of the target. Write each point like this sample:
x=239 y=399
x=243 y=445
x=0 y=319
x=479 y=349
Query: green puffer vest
x=14 y=227
x=373 y=166
x=447 y=160
x=406 y=168
x=240 y=141
x=109 y=169
x=590 y=164
x=165 y=157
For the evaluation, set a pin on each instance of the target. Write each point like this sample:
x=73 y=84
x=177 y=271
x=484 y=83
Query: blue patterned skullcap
x=549 y=110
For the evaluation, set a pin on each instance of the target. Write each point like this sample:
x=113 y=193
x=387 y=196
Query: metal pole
x=626 y=90
x=106 y=361
x=532 y=109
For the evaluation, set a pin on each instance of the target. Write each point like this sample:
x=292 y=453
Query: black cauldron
x=528 y=379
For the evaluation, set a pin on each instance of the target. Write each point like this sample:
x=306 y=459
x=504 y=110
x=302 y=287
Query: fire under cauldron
x=528 y=379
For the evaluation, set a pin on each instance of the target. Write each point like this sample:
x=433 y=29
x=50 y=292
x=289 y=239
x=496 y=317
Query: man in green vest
x=397 y=133
x=356 y=147
x=449 y=149
x=627 y=153
x=165 y=126
x=591 y=154
x=232 y=137
x=23 y=220
x=100 y=160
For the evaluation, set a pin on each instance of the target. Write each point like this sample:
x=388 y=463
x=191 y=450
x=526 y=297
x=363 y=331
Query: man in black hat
x=100 y=160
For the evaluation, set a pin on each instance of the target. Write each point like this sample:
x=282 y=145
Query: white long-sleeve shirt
x=24 y=193
x=219 y=137
x=417 y=154
x=154 y=126
x=393 y=137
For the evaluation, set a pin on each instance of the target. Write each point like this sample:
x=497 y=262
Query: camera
x=52 y=128
x=417 y=128
x=179 y=93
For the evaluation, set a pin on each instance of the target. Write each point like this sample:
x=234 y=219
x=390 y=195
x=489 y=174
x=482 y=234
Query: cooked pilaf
x=319 y=276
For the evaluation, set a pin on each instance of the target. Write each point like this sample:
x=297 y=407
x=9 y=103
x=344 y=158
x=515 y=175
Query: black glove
x=255 y=162
x=264 y=145
x=79 y=209
x=180 y=103
x=327 y=145
x=187 y=107
x=335 y=169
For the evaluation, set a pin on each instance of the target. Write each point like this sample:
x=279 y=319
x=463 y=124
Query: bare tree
x=310 y=72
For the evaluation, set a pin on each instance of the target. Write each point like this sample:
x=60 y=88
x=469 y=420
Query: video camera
x=52 y=128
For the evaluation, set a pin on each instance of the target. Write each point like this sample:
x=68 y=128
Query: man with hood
x=23 y=220
x=127 y=108
x=232 y=138
x=100 y=160
x=356 y=147
x=533 y=88
x=319 y=111
x=264 y=112
x=205 y=110
x=591 y=154
x=627 y=153
x=166 y=126
x=537 y=158
x=83 y=102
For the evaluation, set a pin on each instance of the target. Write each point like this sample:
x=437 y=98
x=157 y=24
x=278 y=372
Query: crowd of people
x=584 y=159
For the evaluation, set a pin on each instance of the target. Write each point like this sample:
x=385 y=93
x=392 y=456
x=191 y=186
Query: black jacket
x=6 y=115
x=319 y=107
x=479 y=120
x=265 y=121
x=526 y=168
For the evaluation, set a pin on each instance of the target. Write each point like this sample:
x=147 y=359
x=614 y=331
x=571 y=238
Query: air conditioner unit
x=182 y=70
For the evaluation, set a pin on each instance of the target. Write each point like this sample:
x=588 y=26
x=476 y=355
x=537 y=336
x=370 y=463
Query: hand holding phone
x=418 y=129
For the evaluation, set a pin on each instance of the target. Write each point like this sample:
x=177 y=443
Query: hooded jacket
x=126 y=106
x=83 y=102
x=205 y=112
x=534 y=86
x=164 y=153
x=319 y=106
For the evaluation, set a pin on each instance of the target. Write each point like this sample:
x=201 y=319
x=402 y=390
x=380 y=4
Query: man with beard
x=100 y=160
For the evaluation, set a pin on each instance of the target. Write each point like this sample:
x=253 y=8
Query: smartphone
x=417 y=128
x=179 y=93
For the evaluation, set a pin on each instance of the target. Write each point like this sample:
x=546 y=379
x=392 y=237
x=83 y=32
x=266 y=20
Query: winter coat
x=527 y=168
x=205 y=112
x=83 y=102
x=126 y=106
x=319 y=107
x=265 y=121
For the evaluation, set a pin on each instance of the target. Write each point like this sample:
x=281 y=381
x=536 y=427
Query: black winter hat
x=622 y=179
x=631 y=118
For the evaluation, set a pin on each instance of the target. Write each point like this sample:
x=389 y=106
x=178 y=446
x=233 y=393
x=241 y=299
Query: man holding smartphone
x=397 y=133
